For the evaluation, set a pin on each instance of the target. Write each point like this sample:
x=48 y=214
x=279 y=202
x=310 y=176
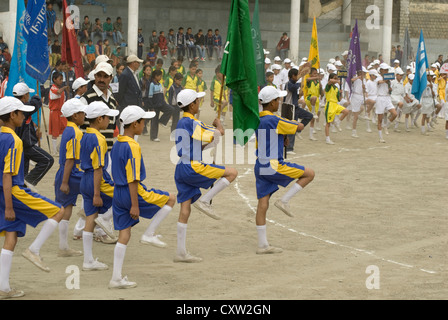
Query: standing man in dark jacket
x=27 y=132
x=129 y=92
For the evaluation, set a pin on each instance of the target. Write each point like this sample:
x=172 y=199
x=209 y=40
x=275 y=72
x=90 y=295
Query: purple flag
x=354 y=63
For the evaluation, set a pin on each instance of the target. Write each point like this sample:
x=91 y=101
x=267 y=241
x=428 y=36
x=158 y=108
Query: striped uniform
x=29 y=207
x=93 y=156
x=127 y=167
x=270 y=168
x=191 y=173
x=70 y=149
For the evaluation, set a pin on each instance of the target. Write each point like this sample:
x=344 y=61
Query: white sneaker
x=397 y=130
x=123 y=283
x=290 y=152
x=312 y=138
x=329 y=142
x=35 y=259
x=269 y=250
x=369 y=130
x=354 y=135
x=187 y=258
x=153 y=240
x=382 y=141
x=386 y=131
x=12 y=293
x=206 y=208
x=106 y=225
x=156 y=140
x=284 y=207
x=94 y=265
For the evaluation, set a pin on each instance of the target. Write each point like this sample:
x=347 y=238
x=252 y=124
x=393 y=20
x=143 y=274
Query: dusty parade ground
x=372 y=225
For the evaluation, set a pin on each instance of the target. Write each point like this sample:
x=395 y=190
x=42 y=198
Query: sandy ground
x=371 y=205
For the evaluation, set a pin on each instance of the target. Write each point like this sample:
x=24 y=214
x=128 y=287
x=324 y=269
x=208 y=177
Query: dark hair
x=5 y=117
x=332 y=75
x=86 y=17
x=172 y=68
x=129 y=124
x=159 y=61
x=156 y=73
x=218 y=69
x=269 y=73
x=56 y=75
x=192 y=65
x=293 y=72
x=178 y=76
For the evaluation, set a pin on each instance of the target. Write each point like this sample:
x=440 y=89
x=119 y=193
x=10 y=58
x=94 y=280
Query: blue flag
x=421 y=65
x=354 y=63
x=35 y=33
x=17 y=70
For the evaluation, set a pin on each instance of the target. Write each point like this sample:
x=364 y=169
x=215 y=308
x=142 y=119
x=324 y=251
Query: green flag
x=238 y=65
x=258 y=47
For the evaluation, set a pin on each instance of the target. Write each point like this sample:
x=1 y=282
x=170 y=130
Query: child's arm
x=133 y=190
x=97 y=176
x=7 y=193
x=69 y=163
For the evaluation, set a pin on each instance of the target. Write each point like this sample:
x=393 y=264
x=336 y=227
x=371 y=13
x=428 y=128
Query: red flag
x=70 y=51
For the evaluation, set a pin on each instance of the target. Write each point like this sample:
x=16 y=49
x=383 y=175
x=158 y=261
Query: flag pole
x=43 y=119
x=38 y=113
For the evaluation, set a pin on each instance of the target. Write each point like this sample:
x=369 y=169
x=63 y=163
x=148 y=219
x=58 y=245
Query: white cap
x=345 y=53
x=431 y=73
x=396 y=61
x=133 y=58
x=98 y=108
x=376 y=62
x=102 y=58
x=269 y=93
x=384 y=66
x=104 y=67
x=188 y=96
x=134 y=113
x=79 y=83
x=332 y=61
x=277 y=58
x=287 y=60
x=276 y=66
x=437 y=64
x=267 y=61
x=399 y=71
x=91 y=75
x=265 y=51
x=21 y=89
x=373 y=72
x=331 y=67
x=305 y=59
x=321 y=71
x=364 y=69
x=411 y=76
x=11 y=104
x=338 y=64
x=72 y=106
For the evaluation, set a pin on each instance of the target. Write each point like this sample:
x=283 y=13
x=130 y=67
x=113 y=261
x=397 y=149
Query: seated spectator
x=97 y=30
x=108 y=28
x=55 y=53
x=86 y=29
x=118 y=32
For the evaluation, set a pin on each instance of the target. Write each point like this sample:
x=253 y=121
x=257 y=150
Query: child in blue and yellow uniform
x=312 y=92
x=19 y=206
x=332 y=108
x=132 y=199
x=270 y=168
x=97 y=187
x=68 y=177
x=191 y=173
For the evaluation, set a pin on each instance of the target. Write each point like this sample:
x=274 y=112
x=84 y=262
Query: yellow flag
x=313 y=57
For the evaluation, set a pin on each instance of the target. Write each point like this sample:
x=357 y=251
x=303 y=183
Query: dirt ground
x=372 y=206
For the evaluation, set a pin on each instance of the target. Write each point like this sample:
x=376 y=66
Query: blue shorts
x=106 y=193
x=29 y=207
x=73 y=182
x=193 y=176
x=149 y=203
x=273 y=174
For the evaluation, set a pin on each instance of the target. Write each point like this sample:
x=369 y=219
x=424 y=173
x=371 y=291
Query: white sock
x=423 y=129
x=107 y=215
x=63 y=235
x=406 y=122
x=327 y=139
x=181 y=238
x=220 y=185
x=354 y=132
x=5 y=269
x=380 y=132
x=119 y=253
x=262 y=238
x=87 y=243
x=55 y=145
x=157 y=219
x=46 y=231
x=291 y=192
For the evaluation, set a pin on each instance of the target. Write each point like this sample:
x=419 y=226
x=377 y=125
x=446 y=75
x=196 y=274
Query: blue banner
x=35 y=33
x=420 y=79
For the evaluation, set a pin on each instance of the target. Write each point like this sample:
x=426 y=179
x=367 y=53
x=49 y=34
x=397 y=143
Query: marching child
x=384 y=102
x=312 y=91
x=19 y=206
x=132 y=199
x=357 y=98
x=68 y=177
x=202 y=87
x=79 y=87
x=428 y=104
x=397 y=95
x=411 y=106
x=333 y=108
x=96 y=184
x=191 y=173
x=271 y=171
x=215 y=90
